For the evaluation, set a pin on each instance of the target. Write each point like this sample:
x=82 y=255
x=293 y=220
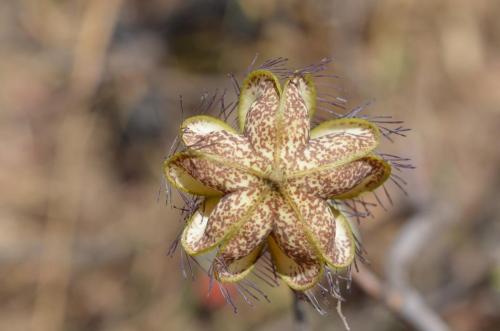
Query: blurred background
x=89 y=104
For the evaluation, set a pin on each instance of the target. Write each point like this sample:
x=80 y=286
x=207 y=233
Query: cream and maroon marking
x=300 y=275
x=212 y=137
x=227 y=217
x=238 y=252
x=262 y=95
x=336 y=142
x=316 y=215
x=182 y=180
x=345 y=246
x=251 y=90
x=212 y=173
x=293 y=124
x=235 y=270
x=344 y=181
x=295 y=258
x=251 y=233
x=197 y=225
x=289 y=233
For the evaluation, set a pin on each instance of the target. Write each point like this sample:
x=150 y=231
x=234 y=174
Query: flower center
x=276 y=178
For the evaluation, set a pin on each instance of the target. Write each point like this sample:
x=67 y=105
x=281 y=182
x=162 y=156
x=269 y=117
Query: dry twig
x=74 y=134
x=397 y=293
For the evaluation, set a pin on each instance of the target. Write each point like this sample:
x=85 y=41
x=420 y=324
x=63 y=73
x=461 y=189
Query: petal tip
x=179 y=178
x=200 y=125
x=345 y=245
x=250 y=92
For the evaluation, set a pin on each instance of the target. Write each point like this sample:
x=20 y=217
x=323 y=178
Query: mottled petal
x=300 y=275
x=317 y=218
x=345 y=246
x=227 y=217
x=181 y=179
x=236 y=270
x=344 y=181
x=200 y=175
x=196 y=226
x=258 y=106
x=296 y=259
x=294 y=120
x=216 y=139
x=253 y=232
x=337 y=142
x=240 y=251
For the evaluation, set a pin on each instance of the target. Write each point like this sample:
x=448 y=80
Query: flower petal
x=316 y=217
x=337 y=142
x=216 y=139
x=297 y=103
x=295 y=257
x=345 y=246
x=198 y=174
x=236 y=270
x=372 y=171
x=233 y=210
x=344 y=181
x=180 y=178
x=258 y=106
x=299 y=275
x=240 y=251
x=197 y=224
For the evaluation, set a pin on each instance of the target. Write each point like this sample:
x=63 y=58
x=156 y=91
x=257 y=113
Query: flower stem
x=299 y=315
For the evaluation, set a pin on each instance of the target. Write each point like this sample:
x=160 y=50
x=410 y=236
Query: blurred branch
x=73 y=133
x=421 y=229
x=91 y=48
x=397 y=293
x=406 y=304
x=299 y=315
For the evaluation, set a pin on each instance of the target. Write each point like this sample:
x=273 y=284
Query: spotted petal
x=337 y=142
x=208 y=228
x=296 y=259
x=238 y=254
x=300 y=275
x=258 y=106
x=235 y=270
x=180 y=178
x=345 y=245
x=217 y=140
x=196 y=226
x=200 y=175
x=344 y=181
x=317 y=220
x=297 y=104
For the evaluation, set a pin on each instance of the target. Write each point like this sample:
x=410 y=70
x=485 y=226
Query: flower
x=268 y=184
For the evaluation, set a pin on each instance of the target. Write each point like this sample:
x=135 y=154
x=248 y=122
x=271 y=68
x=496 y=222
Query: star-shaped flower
x=267 y=186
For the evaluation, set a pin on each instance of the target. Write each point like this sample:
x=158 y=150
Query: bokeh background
x=89 y=103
